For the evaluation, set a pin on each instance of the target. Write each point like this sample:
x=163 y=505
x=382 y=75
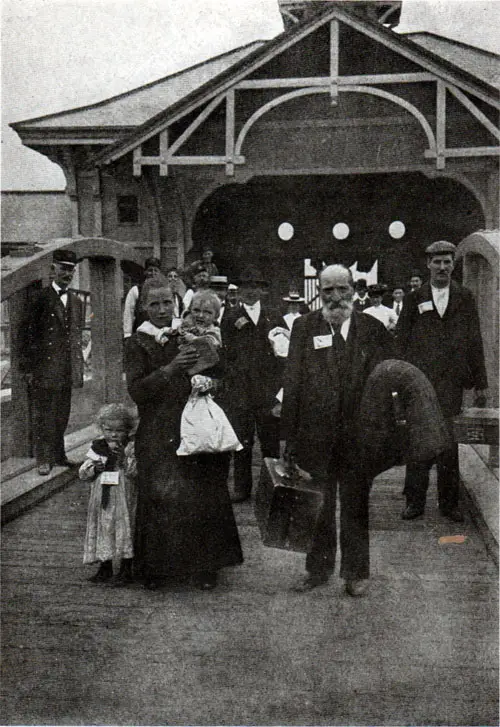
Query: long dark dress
x=185 y=523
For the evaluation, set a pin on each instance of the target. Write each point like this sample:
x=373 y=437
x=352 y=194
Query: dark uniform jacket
x=253 y=373
x=448 y=350
x=321 y=404
x=51 y=341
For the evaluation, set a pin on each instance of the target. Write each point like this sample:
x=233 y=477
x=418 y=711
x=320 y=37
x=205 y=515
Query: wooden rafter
x=334 y=62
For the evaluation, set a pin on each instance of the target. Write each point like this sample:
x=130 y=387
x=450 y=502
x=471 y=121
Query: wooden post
x=22 y=439
x=334 y=62
x=106 y=329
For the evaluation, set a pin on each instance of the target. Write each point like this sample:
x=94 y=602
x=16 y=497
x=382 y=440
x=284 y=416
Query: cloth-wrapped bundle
x=417 y=433
x=204 y=426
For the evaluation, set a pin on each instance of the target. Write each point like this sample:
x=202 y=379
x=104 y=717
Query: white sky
x=58 y=54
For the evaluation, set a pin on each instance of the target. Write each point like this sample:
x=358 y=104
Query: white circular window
x=397 y=230
x=285 y=231
x=340 y=231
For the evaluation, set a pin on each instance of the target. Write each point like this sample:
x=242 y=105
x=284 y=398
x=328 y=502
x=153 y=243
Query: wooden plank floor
x=420 y=649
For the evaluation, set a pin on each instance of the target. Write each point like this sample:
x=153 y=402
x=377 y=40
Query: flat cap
x=441 y=247
x=64 y=257
x=232 y=286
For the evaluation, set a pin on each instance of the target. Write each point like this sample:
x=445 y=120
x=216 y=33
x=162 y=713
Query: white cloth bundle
x=280 y=341
x=204 y=426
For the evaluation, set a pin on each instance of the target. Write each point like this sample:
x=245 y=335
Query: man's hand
x=480 y=397
x=99 y=467
x=28 y=377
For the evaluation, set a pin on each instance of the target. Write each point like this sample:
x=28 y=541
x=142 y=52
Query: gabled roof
x=138 y=115
x=429 y=61
x=477 y=62
x=133 y=108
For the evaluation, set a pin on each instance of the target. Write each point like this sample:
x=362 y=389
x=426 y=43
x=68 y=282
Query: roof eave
x=225 y=79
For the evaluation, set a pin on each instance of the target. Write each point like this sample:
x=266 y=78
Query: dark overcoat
x=51 y=341
x=185 y=523
x=254 y=373
x=448 y=350
x=321 y=405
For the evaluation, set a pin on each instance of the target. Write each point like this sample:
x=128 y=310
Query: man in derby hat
x=361 y=299
x=52 y=360
x=253 y=377
x=438 y=331
x=384 y=314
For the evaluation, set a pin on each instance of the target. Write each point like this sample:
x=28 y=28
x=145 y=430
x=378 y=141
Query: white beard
x=336 y=316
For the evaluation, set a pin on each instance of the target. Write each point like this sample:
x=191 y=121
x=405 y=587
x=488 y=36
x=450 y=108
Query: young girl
x=110 y=464
x=201 y=320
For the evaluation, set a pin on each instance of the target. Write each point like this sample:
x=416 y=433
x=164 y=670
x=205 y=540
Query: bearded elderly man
x=332 y=352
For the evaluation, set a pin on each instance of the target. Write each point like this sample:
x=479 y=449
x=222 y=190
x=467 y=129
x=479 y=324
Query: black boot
x=104 y=573
x=124 y=575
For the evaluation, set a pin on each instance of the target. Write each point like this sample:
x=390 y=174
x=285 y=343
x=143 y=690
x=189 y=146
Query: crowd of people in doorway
x=287 y=376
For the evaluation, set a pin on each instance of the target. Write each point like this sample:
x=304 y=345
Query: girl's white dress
x=110 y=530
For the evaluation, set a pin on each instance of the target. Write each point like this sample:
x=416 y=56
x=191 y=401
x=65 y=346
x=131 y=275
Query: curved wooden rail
x=19 y=272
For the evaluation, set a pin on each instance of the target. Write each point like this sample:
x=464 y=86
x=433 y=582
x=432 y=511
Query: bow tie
x=62 y=291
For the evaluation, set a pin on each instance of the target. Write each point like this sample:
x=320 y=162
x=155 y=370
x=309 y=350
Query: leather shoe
x=44 y=469
x=411 y=512
x=313 y=580
x=356 y=587
x=65 y=463
x=455 y=515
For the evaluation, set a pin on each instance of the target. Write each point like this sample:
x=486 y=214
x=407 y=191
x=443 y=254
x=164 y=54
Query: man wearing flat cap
x=52 y=361
x=253 y=377
x=438 y=331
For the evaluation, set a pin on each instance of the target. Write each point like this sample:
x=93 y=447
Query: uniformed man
x=52 y=360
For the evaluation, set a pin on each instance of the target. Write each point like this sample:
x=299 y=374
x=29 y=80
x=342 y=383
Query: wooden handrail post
x=106 y=329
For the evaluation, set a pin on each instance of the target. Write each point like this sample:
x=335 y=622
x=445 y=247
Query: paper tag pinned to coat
x=322 y=341
x=110 y=478
x=425 y=307
x=242 y=321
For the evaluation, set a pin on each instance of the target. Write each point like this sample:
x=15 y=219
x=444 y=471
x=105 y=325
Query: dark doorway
x=241 y=222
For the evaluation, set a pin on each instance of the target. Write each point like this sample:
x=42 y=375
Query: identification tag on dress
x=425 y=307
x=110 y=478
x=322 y=341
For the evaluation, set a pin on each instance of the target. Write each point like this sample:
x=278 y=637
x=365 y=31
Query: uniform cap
x=65 y=257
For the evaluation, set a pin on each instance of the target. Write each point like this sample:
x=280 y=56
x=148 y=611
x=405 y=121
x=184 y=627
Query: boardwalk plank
x=421 y=649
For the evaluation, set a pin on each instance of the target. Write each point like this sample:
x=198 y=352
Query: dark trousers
x=245 y=423
x=448 y=480
x=51 y=409
x=354 y=491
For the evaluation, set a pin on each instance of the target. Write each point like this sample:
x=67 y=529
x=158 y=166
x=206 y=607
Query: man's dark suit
x=449 y=351
x=253 y=379
x=52 y=353
x=320 y=418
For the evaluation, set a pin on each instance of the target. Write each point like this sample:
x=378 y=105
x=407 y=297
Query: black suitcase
x=287 y=507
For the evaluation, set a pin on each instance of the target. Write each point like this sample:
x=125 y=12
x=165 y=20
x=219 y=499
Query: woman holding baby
x=185 y=525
